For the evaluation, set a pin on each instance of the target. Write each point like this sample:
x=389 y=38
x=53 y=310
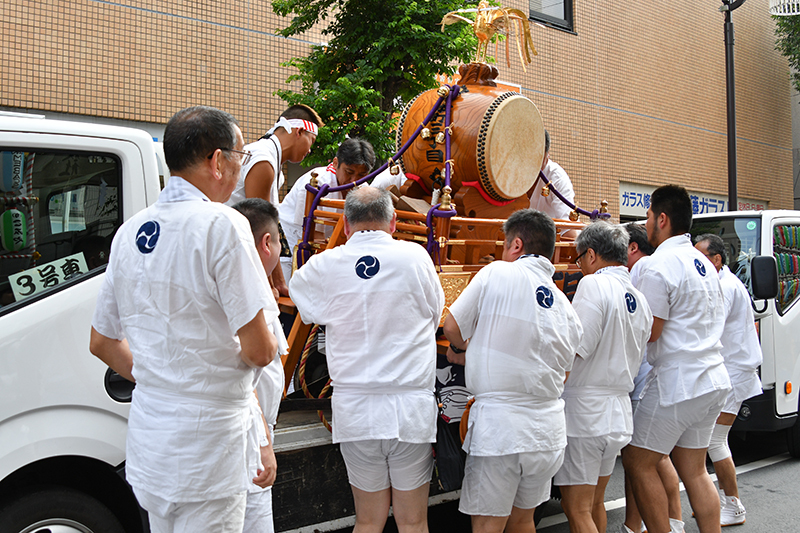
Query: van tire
x=71 y=509
x=793 y=439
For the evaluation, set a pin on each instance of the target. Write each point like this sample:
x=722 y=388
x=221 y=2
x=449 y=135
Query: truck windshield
x=742 y=236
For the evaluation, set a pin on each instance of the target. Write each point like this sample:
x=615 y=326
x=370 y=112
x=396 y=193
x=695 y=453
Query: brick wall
x=636 y=93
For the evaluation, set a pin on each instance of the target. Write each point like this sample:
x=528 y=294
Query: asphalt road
x=769 y=487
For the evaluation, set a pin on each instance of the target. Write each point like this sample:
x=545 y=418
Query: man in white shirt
x=522 y=338
x=559 y=180
x=639 y=252
x=191 y=332
x=263 y=218
x=688 y=384
x=290 y=139
x=381 y=301
x=354 y=160
x=616 y=324
x=742 y=353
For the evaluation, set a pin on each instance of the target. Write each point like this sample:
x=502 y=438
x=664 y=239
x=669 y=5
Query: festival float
x=471 y=152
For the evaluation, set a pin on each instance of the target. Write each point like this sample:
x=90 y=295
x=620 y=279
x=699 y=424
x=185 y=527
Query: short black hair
x=536 y=230
x=715 y=246
x=546 y=141
x=356 y=151
x=262 y=215
x=673 y=201
x=193 y=133
x=638 y=234
x=303 y=112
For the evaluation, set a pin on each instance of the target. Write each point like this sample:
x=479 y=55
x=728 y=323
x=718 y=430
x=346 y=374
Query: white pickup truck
x=65 y=187
x=752 y=237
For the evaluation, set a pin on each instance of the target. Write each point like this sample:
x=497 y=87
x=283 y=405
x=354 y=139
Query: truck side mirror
x=764 y=277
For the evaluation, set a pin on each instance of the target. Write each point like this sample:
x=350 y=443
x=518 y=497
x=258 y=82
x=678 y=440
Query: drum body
x=497 y=139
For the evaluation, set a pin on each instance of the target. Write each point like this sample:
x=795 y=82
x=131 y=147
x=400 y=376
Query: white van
x=764 y=252
x=65 y=187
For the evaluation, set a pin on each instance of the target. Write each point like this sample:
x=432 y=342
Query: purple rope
x=447 y=166
x=593 y=215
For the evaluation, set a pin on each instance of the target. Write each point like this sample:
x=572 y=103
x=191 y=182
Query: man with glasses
x=616 y=324
x=192 y=333
x=688 y=384
x=290 y=139
x=742 y=353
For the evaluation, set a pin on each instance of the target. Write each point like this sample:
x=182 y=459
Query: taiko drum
x=497 y=139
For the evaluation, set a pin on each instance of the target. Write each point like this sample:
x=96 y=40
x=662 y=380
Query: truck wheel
x=59 y=510
x=793 y=439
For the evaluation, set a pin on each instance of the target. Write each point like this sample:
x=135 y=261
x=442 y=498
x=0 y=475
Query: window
x=742 y=237
x=786 y=247
x=556 y=13
x=58 y=213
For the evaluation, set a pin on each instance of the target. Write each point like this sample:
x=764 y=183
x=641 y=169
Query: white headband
x=289 y=123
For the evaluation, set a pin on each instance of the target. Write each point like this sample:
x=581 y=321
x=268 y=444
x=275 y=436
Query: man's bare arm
x=453 y=334
x=258 y=182
x=259 y=345
x=658 y=327
x=115 y=353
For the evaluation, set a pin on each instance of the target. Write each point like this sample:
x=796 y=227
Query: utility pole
x=733 y=194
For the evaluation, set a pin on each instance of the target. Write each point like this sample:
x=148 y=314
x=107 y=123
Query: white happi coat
x=681 y=287
x=263 y=150
x=644 y=368
x=523 y=334
x=552 y=204
x=616 y=324
x=293 y=207
x=740 y=347
x=184 y=276
x=381 y=301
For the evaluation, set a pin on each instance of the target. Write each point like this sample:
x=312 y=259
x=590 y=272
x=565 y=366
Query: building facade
x=633 y=94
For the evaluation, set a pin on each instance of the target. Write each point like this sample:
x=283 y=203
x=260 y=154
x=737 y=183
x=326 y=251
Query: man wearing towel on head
x=381 y=301
x=290 y=139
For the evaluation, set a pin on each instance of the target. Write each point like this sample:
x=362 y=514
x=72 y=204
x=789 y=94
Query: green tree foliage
x=787 y=29
x=379 y=55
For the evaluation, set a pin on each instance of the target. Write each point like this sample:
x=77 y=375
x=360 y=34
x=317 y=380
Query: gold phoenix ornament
x=490 y=20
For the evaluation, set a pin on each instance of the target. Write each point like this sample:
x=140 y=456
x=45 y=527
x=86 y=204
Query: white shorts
x=258 y=514
x=225 y=515
x=588 y=458
x=731 y=405
x=492 y=485
x=687 y=424
x=376 y=465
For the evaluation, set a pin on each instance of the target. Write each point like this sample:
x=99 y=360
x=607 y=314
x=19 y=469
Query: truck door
x=786 y=247
x=62 y=197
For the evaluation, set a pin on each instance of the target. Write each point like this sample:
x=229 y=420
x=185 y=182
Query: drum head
x=511 y=155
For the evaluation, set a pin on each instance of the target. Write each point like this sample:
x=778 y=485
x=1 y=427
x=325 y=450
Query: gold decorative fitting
x=604 y=206
x=36 y=256
x=443 y=91
x=546 y=190
x=573 y=216
x=425 y=133
x=314 y=182
x=447 y=190
x=394 y=170
x=440 y=138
